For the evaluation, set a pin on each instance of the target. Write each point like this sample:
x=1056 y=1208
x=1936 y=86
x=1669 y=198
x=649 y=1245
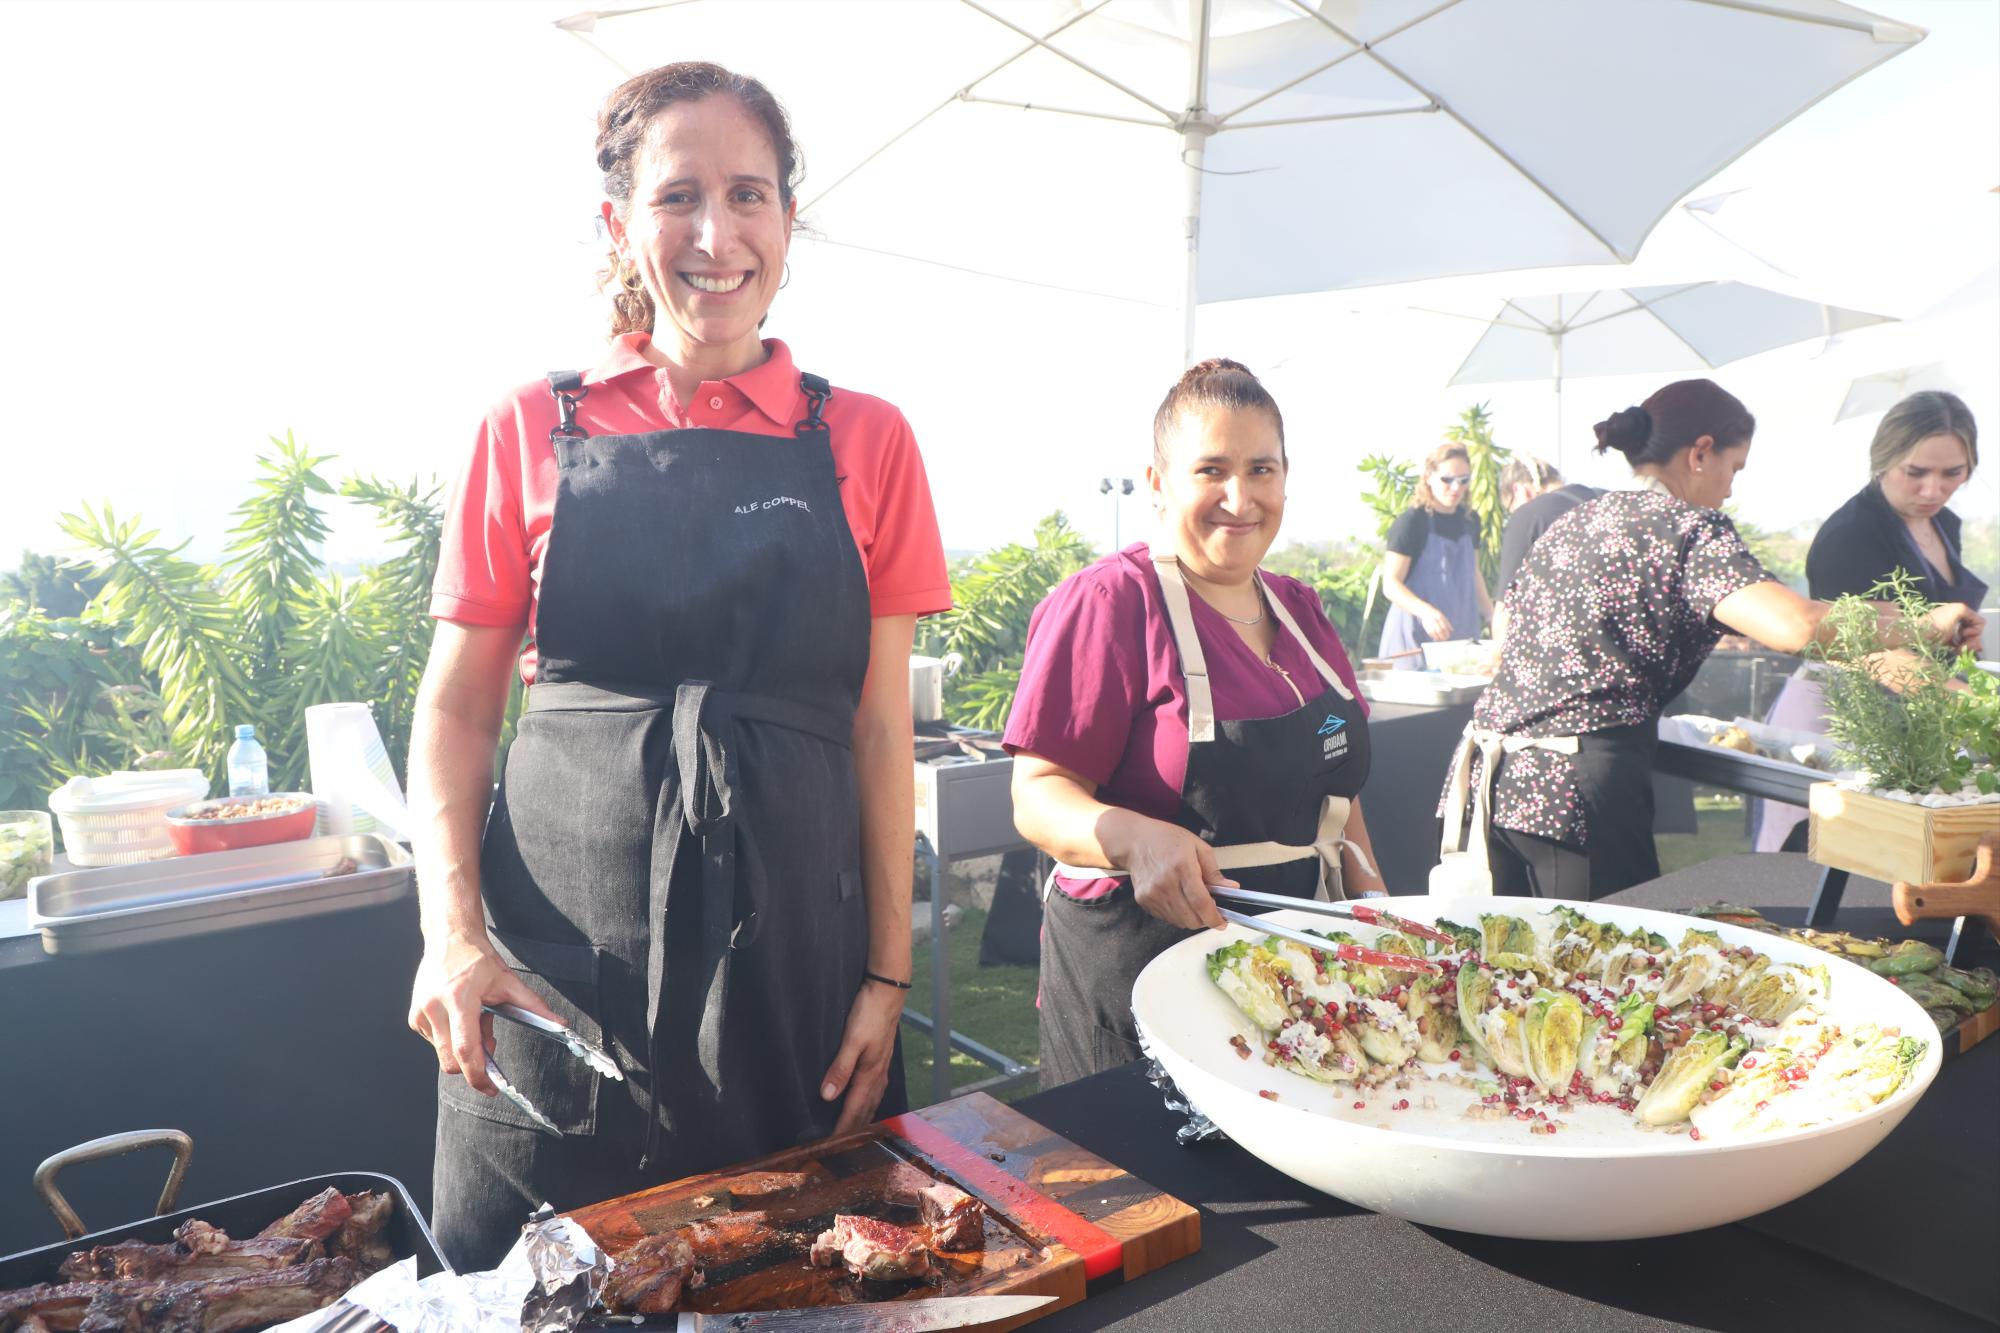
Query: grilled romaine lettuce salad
x=1539 y=1014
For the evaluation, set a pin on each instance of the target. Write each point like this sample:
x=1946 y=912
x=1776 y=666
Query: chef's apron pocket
x=561 y=1086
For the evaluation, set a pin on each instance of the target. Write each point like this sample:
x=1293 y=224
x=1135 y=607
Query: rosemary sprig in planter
x=1891 y=704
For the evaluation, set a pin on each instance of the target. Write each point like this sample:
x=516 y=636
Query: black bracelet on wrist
x=886 y=981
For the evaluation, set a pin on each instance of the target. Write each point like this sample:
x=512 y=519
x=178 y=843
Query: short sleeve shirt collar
x=772 y=387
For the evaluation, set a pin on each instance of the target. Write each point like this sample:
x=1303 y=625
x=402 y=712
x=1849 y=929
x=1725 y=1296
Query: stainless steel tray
x=83 y=911
x=1431 y=688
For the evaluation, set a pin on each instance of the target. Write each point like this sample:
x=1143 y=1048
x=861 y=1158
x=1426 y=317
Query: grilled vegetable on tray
x=1538 y=1014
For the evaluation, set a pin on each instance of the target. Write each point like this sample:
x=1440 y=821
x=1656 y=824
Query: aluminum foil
x=1198 y=1127
x=545 y=1284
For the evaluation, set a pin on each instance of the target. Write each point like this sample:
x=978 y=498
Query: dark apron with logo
x=1260 y=780
x=674 y=860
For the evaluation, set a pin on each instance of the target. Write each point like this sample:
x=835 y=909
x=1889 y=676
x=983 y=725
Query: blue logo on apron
x=1334 y=722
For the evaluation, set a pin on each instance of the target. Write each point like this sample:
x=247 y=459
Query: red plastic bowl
x=194 y=829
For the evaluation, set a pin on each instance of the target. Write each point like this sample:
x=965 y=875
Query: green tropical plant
x=60 y=707
x=54 y=586
x=264 y=634
x=1475 y=431
x=987 y=628
x=1395 y=484
x=1343 y=575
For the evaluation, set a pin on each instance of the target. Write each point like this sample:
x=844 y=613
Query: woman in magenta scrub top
x=1183 y=719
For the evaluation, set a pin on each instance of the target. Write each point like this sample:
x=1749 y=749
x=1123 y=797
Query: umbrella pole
x=1193 y=141
x=1556 y=341
x=1195 y=128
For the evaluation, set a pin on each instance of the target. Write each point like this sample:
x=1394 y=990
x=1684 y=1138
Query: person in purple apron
x=1183 y=719
x=1627 y=595
x=1925 y=448
x=1430 y=572
x=699 y=857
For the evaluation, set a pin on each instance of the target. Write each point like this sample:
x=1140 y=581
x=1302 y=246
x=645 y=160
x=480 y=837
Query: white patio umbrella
x=1868 y=394
x=1632 y=330
x=1178 y=151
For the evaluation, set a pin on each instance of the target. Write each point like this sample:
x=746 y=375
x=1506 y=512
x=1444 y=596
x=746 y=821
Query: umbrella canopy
x=1209 y=150
x=1881 y=391
x=1631 y=330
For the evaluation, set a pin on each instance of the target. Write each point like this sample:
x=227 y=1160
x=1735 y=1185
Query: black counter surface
x=1909 y=1238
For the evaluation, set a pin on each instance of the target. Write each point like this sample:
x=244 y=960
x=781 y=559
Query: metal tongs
x=1349 y=953
x=590 y=1053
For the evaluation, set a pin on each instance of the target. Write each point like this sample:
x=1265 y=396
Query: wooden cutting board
x=1059 y=1219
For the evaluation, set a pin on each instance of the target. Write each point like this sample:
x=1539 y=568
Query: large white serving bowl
x=1601 y=1178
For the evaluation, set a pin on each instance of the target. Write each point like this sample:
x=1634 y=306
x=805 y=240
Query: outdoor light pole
x=1116 y=488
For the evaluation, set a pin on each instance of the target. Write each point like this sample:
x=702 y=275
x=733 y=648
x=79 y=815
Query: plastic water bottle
x=249 y=771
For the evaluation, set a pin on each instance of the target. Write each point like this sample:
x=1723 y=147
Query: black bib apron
x=674 y=861
x=1284 y=782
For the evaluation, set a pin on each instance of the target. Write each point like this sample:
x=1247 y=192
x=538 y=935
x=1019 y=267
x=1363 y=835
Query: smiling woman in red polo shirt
x=1183 y=719
x=700 y=855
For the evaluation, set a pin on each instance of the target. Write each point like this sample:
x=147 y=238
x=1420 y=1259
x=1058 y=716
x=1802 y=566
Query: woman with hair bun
x=1925 y=448
x=1184 y=719
x=700 y=855
x=1616 y=607
x=1430 y=572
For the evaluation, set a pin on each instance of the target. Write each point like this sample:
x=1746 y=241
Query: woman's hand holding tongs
x=1171 y=869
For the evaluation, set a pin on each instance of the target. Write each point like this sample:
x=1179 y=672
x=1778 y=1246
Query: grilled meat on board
x=957 y=1221
x=872 y=1248
x=649 y=1277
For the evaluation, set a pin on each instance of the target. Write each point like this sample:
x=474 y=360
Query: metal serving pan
x=82 y=911
x=1430 y=688
x=241 y=1216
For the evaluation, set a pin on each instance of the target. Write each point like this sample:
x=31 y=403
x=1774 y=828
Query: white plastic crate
x=121 y=818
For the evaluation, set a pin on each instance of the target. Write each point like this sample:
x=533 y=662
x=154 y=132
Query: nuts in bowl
x=228 y=822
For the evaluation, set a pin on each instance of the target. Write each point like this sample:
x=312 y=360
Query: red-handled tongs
x=1350 y=911
x=1347 y=953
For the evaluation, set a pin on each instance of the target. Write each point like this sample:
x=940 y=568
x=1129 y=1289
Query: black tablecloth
x=1885 y=1246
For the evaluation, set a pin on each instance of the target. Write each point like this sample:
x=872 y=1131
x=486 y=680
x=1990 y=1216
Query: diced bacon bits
x=1242 y=1046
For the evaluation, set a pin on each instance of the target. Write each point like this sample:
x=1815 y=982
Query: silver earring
x=786 y=280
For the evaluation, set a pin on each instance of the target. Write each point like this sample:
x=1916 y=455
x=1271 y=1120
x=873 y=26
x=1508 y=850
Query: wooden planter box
x=1895 y=840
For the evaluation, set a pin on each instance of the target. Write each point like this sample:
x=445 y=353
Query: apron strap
x=1326 y=845
x=1490 y=745
x=1284 y=617
x=817 y=391
x=1194 y=665
x=567 y=386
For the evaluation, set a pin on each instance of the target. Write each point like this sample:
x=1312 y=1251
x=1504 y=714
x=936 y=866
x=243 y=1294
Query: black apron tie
x=695 y=807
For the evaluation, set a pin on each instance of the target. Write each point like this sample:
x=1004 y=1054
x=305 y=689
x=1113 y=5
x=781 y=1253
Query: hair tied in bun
x=1627 y=431
x=1217 y=384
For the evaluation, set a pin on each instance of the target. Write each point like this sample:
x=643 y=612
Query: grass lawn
x=996 y=1005
x=1721 y=831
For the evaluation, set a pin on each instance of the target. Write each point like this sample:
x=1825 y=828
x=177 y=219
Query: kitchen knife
x=940 y=1312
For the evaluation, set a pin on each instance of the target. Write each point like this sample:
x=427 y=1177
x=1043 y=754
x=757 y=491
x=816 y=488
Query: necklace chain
x=1256 y=585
